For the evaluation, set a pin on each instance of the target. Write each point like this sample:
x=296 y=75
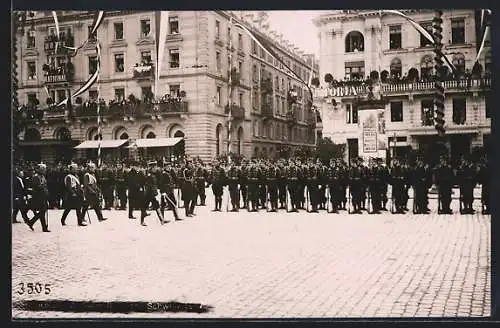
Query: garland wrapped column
x=437 y=23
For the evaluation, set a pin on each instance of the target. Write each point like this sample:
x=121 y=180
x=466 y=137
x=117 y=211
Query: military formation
x=289 y=185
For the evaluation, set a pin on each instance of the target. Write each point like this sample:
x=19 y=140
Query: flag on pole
x=229 y=118
x=56 y=22
x=485 y=31
x=161 y=27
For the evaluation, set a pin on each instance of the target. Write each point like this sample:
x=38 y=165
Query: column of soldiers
x=290 y=185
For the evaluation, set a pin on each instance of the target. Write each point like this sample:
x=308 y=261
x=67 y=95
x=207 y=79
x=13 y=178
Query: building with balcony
x=193 y=86
x=361 y=47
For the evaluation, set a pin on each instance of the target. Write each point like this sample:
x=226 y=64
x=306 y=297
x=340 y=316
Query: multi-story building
x=194 y=78
x=361 y=43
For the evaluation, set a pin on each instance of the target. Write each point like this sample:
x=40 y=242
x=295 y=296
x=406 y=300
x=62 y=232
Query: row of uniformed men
x=264 y=184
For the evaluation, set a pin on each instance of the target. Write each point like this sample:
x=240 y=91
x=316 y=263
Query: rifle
x=348 y=190
x=414 y=210
x=306 y=189
x=286 y=198
x=460 y=200
x=392 y=199
x=328 y=197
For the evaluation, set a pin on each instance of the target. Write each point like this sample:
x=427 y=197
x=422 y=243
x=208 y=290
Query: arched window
x=254 y=73
x=354 y=42
x=459 y=62
x=63 y=134
x=179 y=134
x=32 y=135
x=218 y=139
x=396 y=68
x=123 y=136
x=426 y=67
x=150 y=135
x=271 y=131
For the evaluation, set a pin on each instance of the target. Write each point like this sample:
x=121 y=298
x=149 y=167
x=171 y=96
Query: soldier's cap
x=42 y=165
x=91 y=165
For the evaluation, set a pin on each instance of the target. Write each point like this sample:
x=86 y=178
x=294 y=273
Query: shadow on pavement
x=110 y=307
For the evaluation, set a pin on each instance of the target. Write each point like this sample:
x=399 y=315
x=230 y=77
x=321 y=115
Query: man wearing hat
x=92 y=193
x=150 y=193
x=121 y=187
x=444 y=178
x=73 y=198
x=40 y=195
x=167 y=184
x=20 y=203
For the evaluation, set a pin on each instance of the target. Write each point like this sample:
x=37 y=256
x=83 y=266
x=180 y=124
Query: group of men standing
x=284 y=184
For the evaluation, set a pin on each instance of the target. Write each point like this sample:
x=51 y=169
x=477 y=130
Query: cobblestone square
x=259 y=265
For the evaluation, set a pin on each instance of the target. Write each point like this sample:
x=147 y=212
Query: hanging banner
x=161 y=28
x=368 y=119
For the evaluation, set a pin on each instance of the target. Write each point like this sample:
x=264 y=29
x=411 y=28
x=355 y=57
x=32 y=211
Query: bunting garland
x=161 y=21
x=230 y=91
x=56 y=22
x=422 y=31
x=485 y=28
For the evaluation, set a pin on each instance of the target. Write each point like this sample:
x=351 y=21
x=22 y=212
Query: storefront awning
x=156 y=142
x=94 y=144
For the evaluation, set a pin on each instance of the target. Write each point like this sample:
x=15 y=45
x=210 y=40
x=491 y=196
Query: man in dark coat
x=134 y=187
x=167 y=185
x=150 y=195
x=74 y=196
x=201 y=181
x=40 y=198
x=121 y=187
x=233 y=178
x=20 y=203
x=444 y=178
x=92 y=193
x=218 y=181
x=189 y=194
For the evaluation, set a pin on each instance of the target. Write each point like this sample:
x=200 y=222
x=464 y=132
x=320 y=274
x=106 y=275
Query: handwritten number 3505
x=31 y=288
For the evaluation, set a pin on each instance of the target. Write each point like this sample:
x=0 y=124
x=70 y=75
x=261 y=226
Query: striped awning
x=94 y=144
x=155 y=142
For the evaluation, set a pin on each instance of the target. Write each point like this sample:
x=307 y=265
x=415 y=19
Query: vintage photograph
x=251 y=164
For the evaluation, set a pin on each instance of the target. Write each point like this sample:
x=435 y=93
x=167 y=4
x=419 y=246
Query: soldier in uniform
x=189 y=194
x=384 y=182
x=398 y=186
x=107 y=186
x=74 y=196
x=334 y=189
x=272 y=176
x=262 y=185
x=150 y=195
x=312 y=181
x=52 y=187
x=374 y=186
x=421 y=186
x=132 y=180
x=363 y=183
x=20 y=203
x=233 y=178
x=92 y=192
x=201 y=181
x=466 y=177
x=167 y=184
x=244 y=183
x=40 y=198
x=444 y=178
x=355 y=187
x=253 y=187
x=121 y=187
x=218 y=181
x=484 y=179
x=292 y=182
x=282 y=186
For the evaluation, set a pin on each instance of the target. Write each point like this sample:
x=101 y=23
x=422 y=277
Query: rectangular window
x=457 y=31
x=254 y=47
x=228 y=35
x=396 y=111
x=240 y=68
x=118 y=31
x=240 y=100
x=92 y=64
x=218 y=63
x=30 y=39
x=217 y=29
x=61 y=95
x=173 y=23
x=146 y=57
x=423 y=40
x=31 y=70
x=145 y=28
x=354 y=115
x=119 y=63
x=31 y=98
x=218 y=96
x=459 y=110
x=93 y=95
x=91 y=37
x=240 y=41
x=119 y=94
x=427 y=112
x=174 y=90
x=174 y=58
x=146 y=93
x=395 y=37
x=354 y=70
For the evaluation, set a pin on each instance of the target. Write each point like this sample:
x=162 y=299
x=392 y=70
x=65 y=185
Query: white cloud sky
x=297 y=27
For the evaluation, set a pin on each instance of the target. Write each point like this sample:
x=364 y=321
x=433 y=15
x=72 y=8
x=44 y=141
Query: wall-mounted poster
x=369 y=121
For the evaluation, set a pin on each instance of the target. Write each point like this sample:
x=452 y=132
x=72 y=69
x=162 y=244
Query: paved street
x=263 y=265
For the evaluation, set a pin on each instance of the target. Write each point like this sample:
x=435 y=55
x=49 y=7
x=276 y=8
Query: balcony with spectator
x=66 y=38
x=58 y=72
x=144 y=69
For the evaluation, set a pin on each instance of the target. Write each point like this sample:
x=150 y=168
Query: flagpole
x=230 y=92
